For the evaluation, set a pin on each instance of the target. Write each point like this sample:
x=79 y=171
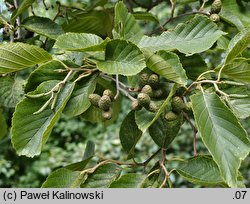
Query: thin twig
x=119 y=162
x=122 y=87
x=162 y=165
x=117 y=86
x=18 y=21
x=194 y=131
x=46 y=7
x=145 y=163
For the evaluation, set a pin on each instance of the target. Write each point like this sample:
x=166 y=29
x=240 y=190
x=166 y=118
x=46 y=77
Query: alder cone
x=215 y=18
x=152 y=107
x=143 y=99
x=216 y=6
x=94 y=99
x=177 y=104
x=109 y=93
x=105 y=103
x=154 y=80
x=135 y=105
x=170 y=116
x=143 y=79
x=188 y=107
x=107 y=115
x=147 y=89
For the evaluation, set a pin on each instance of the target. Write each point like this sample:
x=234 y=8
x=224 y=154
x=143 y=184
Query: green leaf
x=201 y=170
x=43 y=26
x=144 y=119
x=241 y=105
x=3 y=20
x=237 y=45
x=238 y=70
x=3 y=126
x=130 y=180
x=23 y=6
x=18 y=56
x=89 y=151
x=80 y=42
x=129 y=133
x=236 y=14
x=163 y=132
x=194 y=65
x=30 y=131
x=222 y=134
x=125 y=25
x=45 y=72
x=79 y=101
x=102 y=176
x=223 y=42
x=194 y=36
x=167 y=65
x=63 y=178
x=99 y=22
x=145 y=16
x=88 y=154
x=122 y=57
x=11 y=91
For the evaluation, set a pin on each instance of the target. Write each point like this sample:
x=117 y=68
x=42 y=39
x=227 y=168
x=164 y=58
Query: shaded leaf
x=201 y=170
x=31 y=131
x=145 y=16
x=129 y=133
x=194 y=36
x=130 y=180
x=235 y=13
x=241 y=105
x=194 y=65
x=102 y=176
x=3 y=126
x=43 y=26
x=88 y=154
x=237 y=45
x=98 y=22
x=125 y=25
x=163 y=132
x=223 y=42
x=23 y=6
x=80 y=42
x=238 y=70
x=18 y=56
x=222 y=134
x=63 y=178
x=167 y=65
x=122 y=57
x=11 y=91
x=3 y=20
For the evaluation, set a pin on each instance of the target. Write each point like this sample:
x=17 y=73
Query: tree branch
x=194 y=131
x=162 y=165
x=18 y=21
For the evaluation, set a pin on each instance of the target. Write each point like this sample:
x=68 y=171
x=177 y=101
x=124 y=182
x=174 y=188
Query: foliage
x=95 y=62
